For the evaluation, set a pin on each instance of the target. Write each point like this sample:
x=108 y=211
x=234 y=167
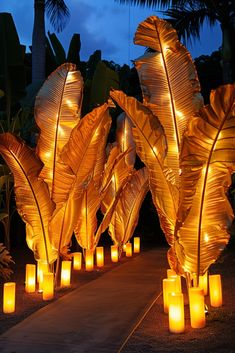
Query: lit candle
x=89 y=260
x=114 y=253
x=42 y=267
x=65 y=273
x=100 y=256
x=48 y=286
x=77 y=260
x=176 y=313
x=9 y=290
x=215 y=288
x=136 y=245
x=203 y=282
x=128 y=249
x=197 y=307
x=30 y=278
x=169 y=286
x=170 y=273
x=178 y=282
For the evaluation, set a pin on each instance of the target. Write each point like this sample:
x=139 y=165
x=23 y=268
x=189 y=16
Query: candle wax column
x=9 y=290
x=169 y=286
x=215 y=288
x=41 y=268
x=65 y=273
x=114 y=253
x=136 y=245
x=48 y=286
x=77 y=260
x=197 y=307
x=30 y=278
x=100 y=256
x=128 y=249
x=176 y=313
x=89 y=260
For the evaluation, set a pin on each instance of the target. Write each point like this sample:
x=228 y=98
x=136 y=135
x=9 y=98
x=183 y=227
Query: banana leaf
x=207 y=160
x=32 y=195
x=124 y=138
x=169 y=83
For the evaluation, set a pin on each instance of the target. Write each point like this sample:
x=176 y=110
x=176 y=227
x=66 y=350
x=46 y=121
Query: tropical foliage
x=187 y=148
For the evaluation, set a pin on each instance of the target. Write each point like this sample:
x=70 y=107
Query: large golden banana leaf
x=126 y=213
x=125 y=139
x=207 y=159
x=169 y=82
x=101 y=157
x=86 y=220
x=79 y=154
x=57 y=112
x=32 y=195
x=116 y=174
x=151 y=147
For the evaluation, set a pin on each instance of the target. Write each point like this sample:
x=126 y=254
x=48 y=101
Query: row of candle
x=45 y=279
x=173 y=300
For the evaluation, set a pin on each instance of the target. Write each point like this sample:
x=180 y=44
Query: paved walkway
x=95 y=318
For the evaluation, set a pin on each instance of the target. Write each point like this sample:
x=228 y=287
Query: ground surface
x=152 y=334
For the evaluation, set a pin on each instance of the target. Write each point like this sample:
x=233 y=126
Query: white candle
x=77 y=260
x=176 y=313
x=136 y=245
x=89 y=260
x=169 y=286
x=100 y=256
x=65 y=273
x=30 y=278
x=9 y=290
x=215 y=288
x=114 y=253
x=48 y=286
x=128 y=249
x=197 y=307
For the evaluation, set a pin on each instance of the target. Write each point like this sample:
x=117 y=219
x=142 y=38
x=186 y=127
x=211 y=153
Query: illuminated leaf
x=32 y=195
x=152 y=148
x=124 y=138
x=57 y=112
x=126 y=213
x=169 y=83
x=207 y=160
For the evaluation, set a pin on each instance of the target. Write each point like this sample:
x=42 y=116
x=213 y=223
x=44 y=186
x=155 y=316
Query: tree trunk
x=38 y=42
x=226 y=54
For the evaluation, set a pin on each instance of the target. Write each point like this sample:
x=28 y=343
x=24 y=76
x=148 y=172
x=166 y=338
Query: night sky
x=102 y=24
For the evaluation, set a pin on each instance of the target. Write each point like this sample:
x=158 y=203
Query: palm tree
x=58 y=14
x=188 y=16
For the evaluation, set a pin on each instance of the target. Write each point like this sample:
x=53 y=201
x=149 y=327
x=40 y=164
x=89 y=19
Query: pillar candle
x=176 y=313
x=42 y=267
x=203 y=282
x=77 y=260
x=89 y=260
x=48 y=286
x=215 y=288
x=178 y=282
x=65 y=273
x=169 y=286
x=136 y=245
x=197 y=307
x=100 y=256
x=30 y=278
x=114 y=253
x=9 y=290
x=170 y=272
x=128 y=249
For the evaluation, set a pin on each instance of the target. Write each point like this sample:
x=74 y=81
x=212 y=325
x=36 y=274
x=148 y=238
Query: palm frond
x=58 y=13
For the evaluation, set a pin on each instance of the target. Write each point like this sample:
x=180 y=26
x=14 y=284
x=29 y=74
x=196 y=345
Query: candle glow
x=77 y=260
x=114 y=253
x=100 y=256
x=30 y=278
x=197 y=307
x=215 y=288
x=169 y=286
x=136 y=245
x=128 y=249
x=48 y=286
x=89 y=260
x=9 y=290
x=176 y=313
x=65 y=273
